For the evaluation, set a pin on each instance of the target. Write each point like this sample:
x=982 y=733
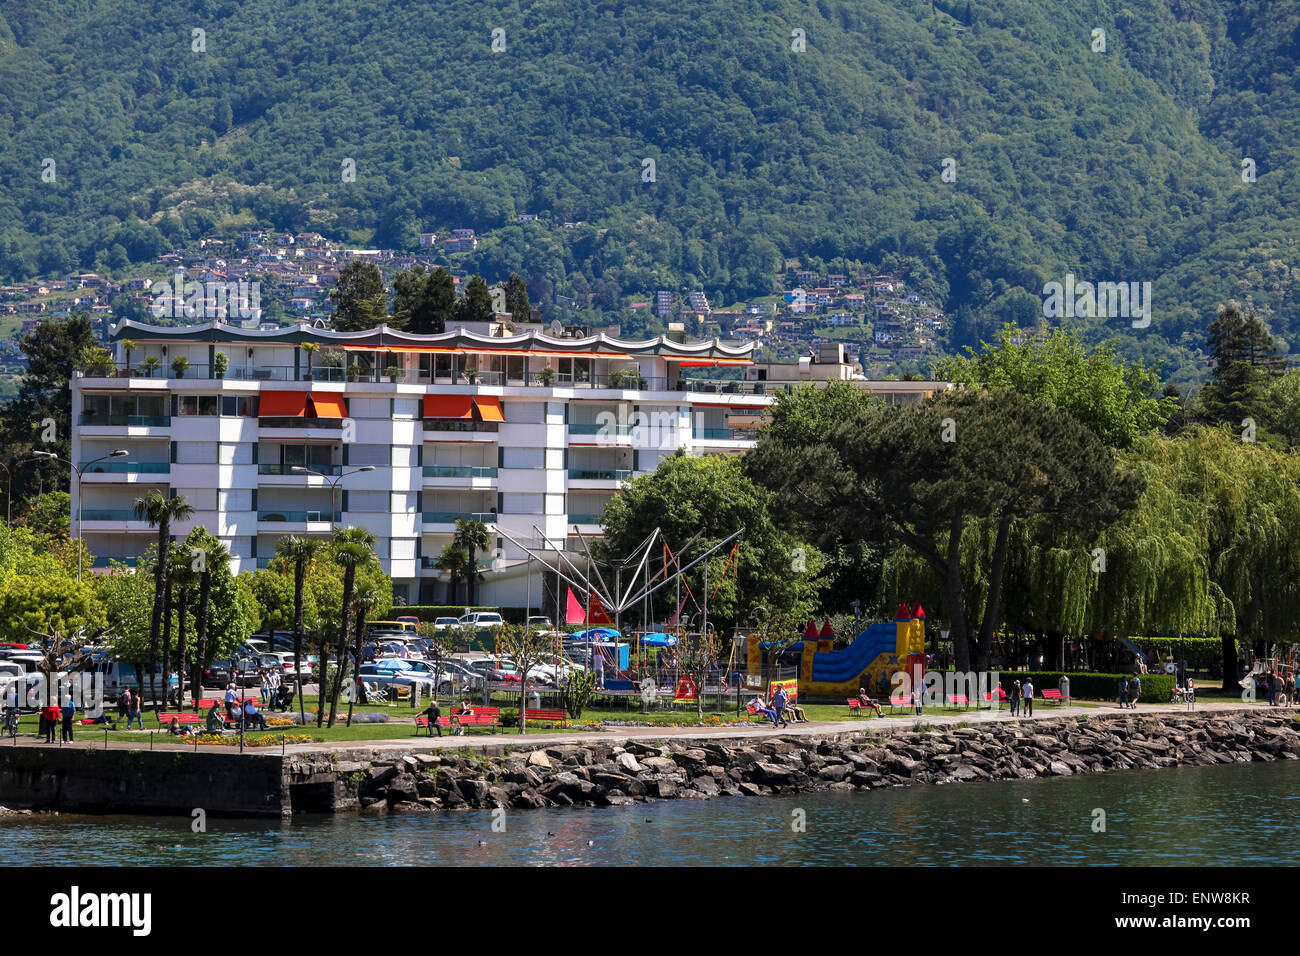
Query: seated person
x=760 y=707
x=865 y=700
x=792 y=707
x=215 y=721
x=462 y=710
x=251 y=716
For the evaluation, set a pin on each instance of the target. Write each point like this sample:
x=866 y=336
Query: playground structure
x=870 y=661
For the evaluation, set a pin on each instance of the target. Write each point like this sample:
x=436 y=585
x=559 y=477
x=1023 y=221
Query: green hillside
x=1122 y=165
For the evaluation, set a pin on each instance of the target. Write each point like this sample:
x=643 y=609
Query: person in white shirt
x=1027 y=695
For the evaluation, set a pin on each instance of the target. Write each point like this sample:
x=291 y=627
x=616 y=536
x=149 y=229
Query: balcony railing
x=588 y=474
x=300 y=422
x=720 y=434
x=431 y=564
x=585 y=518
x=734 y=387
x=449 y=517
x=298 y=516
x=109 y=514
x=102 y=561
x=592 y=428
x=142 y=421
x=128 y=468
x=274 y=469
x=457 y=425
x=459 y=471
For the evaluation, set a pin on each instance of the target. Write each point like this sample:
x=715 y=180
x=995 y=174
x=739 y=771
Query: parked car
x=284 y=661
x=448 y=674
x=499 y=671
x=553 y=669
x=383 y=676
x=442 y=623
x=482 y=619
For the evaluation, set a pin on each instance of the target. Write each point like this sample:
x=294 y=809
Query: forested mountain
x=1123 y=165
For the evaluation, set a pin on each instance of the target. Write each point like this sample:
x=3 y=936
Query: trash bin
x=1064 y=686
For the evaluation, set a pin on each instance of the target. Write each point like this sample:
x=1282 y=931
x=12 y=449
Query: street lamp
x=334 y=483
x=116 y=453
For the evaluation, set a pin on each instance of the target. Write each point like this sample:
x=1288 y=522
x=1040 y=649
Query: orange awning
x=329 y=406
x=282 y=405
x=490 y=409
x=448 y=406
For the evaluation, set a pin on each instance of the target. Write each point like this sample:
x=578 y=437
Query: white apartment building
x=530 y=433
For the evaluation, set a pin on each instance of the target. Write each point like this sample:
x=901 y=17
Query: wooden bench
x=1054 y=696
x=554 y=716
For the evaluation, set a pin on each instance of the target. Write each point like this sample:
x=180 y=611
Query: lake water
x=1192 y=816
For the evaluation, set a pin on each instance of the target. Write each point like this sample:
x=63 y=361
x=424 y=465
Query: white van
x=119 y=675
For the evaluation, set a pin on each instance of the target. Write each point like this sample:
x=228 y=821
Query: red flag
x=598 y=613
x=574 y=613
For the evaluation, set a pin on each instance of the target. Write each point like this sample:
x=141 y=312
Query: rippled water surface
x=1193 y=816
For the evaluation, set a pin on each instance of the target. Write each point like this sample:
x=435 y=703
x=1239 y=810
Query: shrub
x=1156 y=688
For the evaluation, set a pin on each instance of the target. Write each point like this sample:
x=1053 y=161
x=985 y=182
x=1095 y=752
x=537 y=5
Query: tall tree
x=473 y=536
x=455 y=561
x=180 y=582
x=1243 y=358
x=160 y=511
x=360 y=301
x=300 y=551
x=41 y=413
x=517 y=303
x=476 y=304
x=438 y=306
x=408 y=296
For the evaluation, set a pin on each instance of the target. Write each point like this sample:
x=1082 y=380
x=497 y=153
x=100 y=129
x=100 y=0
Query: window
x=515 y=368
x=521 y=504
x=196 y=453
x=368 y=501
x=239 y=499
x=522 y=457
x=528 y=413
x=200 y=499
x=369 y=455
x=235 y=406
x=196 y=405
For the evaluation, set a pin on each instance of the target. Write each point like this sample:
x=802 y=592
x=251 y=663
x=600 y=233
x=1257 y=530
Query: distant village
x=880 y=321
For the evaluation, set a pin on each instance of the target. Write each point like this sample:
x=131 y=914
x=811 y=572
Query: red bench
x=478 y=717
x=1002 y=695
x=856 y=706
x=904 y=702
x=955 y=700
x=554 y=716
x=1054 y=696
x=164 y=719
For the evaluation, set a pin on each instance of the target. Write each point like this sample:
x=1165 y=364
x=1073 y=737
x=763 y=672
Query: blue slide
x=847 y=664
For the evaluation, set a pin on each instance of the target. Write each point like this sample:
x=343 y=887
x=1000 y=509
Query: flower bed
x=264 y=740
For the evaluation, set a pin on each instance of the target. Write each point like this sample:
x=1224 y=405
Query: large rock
x=538 y=758
x=403 y=788
x=659 y=764
x=628 y=762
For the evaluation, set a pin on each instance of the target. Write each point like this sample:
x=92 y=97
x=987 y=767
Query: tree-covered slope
x=1121 y=165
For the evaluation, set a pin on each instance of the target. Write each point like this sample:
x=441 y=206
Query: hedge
x=1156 y=688
x=1199 y=652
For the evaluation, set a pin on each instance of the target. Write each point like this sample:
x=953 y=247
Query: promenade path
x=621 y=735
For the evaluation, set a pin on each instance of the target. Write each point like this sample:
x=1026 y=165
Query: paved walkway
x=621 y=735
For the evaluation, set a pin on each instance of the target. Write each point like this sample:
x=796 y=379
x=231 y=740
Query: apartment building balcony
x=598 y=478
x=592 y=520
x=274 y=469
x=86 y=420
x=119 y=467
x=279 y=517
x=593 y=433
x=459 y=471
x=428 y=563
x=448 y=518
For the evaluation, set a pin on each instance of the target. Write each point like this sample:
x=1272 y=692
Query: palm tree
x=180 y=579
x=351 y=549
x=454 y=559
x=301 y=551
x=310 y=348
x=150 y=364
x=474 y=537
x=365 y=599
x=128 y=346
x=214 y=555
x=160 y=511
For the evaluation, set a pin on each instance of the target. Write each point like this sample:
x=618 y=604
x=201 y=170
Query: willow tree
x=920 y=477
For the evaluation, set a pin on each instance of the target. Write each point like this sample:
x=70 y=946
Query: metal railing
x=298 y=516
x=458 y=425
x=274 y=469
x=459 y=471
x=587 y=474
x=449 y=517
x=299 y=422
x=592 y=428
x=90 y=418
x=128 y=468
x=585 y=518
x=109 y=514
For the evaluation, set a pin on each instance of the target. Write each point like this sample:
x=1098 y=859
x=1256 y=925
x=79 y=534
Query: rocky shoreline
x=599 y=774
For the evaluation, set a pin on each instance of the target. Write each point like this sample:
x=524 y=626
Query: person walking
x=1134 y=691
x=1027 y=692
x=1015 y=699
x=52 y=715
x=133 y=712
x=69 y=711
x=264 y=684
x=1123 y=693
x=778 y=705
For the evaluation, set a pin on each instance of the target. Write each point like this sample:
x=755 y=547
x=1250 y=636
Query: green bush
x=1199 y=652
x=1156 y=688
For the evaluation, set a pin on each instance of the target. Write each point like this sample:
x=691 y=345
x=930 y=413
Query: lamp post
x=116 y=453
x=334 y=484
